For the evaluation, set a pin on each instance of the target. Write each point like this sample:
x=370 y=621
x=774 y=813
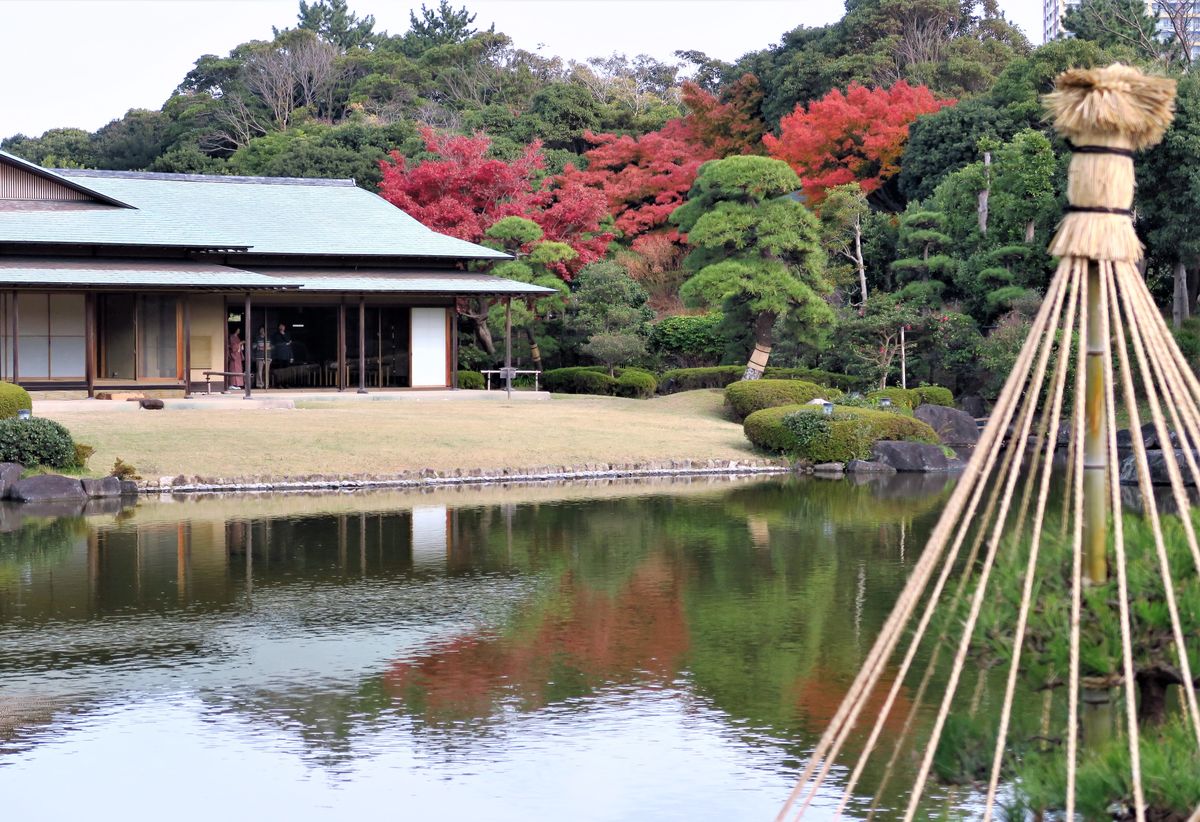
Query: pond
x=614 y=651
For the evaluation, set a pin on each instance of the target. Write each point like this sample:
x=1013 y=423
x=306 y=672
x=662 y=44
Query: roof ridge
x=202 y=178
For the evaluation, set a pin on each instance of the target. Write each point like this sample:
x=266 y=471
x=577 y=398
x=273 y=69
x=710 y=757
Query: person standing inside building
x=281 y=347
x=260 y=353
x=237 y=362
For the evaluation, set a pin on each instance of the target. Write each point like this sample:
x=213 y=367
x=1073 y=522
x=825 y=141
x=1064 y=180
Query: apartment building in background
x=1170 y=13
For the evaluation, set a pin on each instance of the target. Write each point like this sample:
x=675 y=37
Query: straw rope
x=1112 y=323
x=1107 y=114
x=991 y=442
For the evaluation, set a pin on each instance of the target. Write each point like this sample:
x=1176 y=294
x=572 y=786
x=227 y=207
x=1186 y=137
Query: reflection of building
x=1183 y=15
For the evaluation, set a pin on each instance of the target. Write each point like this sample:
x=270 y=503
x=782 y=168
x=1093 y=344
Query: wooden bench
x=208 y=375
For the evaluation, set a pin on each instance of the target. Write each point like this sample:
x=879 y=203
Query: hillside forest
x=801 y=206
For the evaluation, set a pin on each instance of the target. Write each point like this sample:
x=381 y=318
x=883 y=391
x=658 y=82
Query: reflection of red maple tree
x=637 y=634
x=820 y=694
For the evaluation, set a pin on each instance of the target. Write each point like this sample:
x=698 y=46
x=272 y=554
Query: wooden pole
x=508 y=346
x=187 y=346
x=16 y=340
x=362 y=344
x=89 y=343
x=341 y=346
x=1095 y=443
x=247 y=349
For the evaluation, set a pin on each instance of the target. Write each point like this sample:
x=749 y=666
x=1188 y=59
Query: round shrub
x=747 y=396
x=848 y=435
x=900 y=397
x=13 y=398
x=841 y=381
x=470 y=380
x=932 y=395
x=579 y=381
x=635 y=383
x=36 y=441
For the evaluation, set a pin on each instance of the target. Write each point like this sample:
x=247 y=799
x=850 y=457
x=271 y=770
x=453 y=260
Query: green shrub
x=720 y=376
x=83 y=453
x=13 y=398
x=124 y=471
x=636 y=383
x=579 y=381
x=36 y=441
x=850 y=432
x=932 y=395
x=900 y=397
x=470 y=380
x=691 y=379
x=688 y=339
x=747 y=396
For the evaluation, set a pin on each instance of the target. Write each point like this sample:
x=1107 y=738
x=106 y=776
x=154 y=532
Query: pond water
x=617 y=651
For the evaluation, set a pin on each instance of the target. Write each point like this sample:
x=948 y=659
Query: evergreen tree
x=756 y=251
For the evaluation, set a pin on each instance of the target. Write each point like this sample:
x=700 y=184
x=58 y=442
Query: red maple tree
x=462 y=191
x=728 y=125
x=642 y=179
x=856 y=136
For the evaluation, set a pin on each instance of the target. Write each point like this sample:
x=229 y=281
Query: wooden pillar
x=16 y=340
x=341 y=347
x=362 y=344
x=187 y=346
x=508 y=345
x=453 y=348
x=247 y=350
x=89 y=342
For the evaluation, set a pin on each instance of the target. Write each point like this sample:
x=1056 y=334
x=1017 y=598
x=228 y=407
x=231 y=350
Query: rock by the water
x=10 y=472
x=910 y=456
x=828 y=468
x=1157 y=462
x=151 y=404
x=953 y=427
x=1149 y=438
x=868 y=467
x=43 y=487
x=129 y=488
x=103 y=487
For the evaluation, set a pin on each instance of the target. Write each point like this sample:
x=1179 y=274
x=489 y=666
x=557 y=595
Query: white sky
x=85 y=62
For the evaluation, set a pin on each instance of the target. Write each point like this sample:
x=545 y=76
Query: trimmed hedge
x=911 y=398
x=900 y=397
x=848 y=435
x=933 y=395
x=470 y=380
x=36 y=441
x=747 y=396
x=13 y=398
x=636 y=383
x=720 y=376
x=581 y=380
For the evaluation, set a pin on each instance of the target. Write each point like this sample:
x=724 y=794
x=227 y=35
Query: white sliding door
x=429 y=346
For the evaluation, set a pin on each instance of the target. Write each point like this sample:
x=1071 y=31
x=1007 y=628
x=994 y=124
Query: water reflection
x=498 y=651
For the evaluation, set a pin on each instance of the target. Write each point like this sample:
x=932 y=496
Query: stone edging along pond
x=429 y=477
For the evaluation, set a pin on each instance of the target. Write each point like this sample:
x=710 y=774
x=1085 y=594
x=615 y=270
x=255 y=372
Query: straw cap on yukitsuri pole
x=1106 y=114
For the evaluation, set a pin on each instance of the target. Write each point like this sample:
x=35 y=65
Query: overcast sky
x=85 y=62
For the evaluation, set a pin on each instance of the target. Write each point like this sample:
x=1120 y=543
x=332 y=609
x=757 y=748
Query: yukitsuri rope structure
x=1097 y=344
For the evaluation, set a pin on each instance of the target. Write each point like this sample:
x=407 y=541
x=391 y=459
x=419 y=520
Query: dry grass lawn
x=383 y=438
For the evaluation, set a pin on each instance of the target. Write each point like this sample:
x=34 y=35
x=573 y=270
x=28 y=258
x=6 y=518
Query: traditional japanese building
x=131 y=280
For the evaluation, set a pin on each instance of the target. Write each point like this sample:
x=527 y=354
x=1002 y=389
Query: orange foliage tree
x=855 y=136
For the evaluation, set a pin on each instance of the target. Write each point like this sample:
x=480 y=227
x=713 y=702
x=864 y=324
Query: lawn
x=380 y=438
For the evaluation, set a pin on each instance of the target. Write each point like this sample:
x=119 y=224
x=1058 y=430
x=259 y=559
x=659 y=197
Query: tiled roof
x=400 y=281
x=68 y=272
x=280 y=216
x=61 y=272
